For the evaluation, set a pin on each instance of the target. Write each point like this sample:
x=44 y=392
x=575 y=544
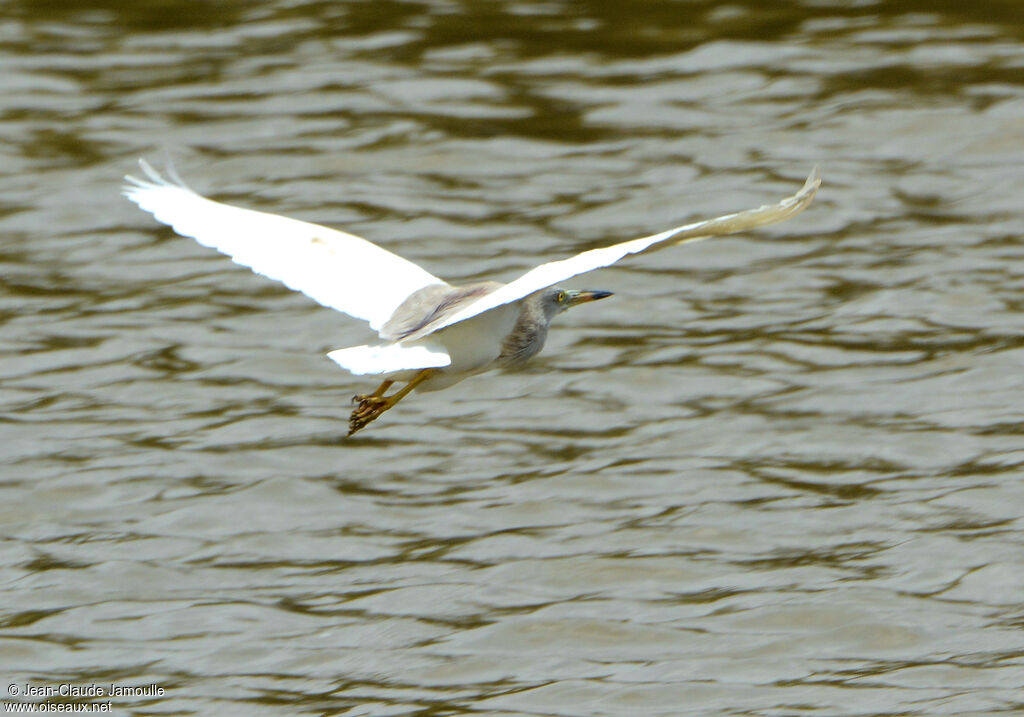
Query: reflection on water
x=778 y=473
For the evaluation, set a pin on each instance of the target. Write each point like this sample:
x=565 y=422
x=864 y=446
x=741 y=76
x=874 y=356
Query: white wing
x=338 y=270
x=555 y=272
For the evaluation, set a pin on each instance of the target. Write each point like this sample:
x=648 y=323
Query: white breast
x=474 y=345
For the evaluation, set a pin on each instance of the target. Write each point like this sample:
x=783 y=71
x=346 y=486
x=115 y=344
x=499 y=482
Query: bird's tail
x=389 y=358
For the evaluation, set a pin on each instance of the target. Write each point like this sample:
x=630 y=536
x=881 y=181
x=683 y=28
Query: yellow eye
x=561 y=297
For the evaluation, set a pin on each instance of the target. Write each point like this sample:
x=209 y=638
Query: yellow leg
x=370 y=407
x=363 y=397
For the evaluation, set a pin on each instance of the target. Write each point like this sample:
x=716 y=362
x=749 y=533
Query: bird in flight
x=432 y=334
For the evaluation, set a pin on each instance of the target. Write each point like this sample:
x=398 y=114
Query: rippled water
x=777 y=474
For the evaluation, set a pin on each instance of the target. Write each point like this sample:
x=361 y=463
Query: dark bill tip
x=582 y=297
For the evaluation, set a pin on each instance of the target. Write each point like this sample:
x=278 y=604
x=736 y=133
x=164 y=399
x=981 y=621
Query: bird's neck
x=527 y=337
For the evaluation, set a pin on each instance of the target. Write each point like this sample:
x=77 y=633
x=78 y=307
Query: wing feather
x=336 y=269
x=555 y=272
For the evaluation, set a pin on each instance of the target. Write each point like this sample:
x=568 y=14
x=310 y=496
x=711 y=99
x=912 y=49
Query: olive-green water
x=778 y=474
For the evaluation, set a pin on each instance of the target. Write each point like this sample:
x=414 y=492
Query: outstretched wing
x=555 y=272
x=338 y=270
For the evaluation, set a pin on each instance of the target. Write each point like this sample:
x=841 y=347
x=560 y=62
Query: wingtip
x=147 y=169
x=813 y=179
x=153 y=179
x=801 y=199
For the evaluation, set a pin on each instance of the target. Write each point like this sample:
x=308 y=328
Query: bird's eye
x=561 y=297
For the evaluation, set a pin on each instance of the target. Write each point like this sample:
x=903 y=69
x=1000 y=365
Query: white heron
x=432 y=334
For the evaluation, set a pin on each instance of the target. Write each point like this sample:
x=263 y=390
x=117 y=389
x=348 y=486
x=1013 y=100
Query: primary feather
x=556 y=272
x=336 y=269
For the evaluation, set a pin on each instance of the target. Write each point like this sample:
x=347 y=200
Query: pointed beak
x=582 y=297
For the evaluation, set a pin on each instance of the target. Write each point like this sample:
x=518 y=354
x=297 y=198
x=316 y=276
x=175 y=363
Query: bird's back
x=431 y=305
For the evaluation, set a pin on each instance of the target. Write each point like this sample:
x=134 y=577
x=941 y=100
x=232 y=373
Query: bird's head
x=556 y=300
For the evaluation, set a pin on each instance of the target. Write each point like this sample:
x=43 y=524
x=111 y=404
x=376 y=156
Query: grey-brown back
x=430 y=305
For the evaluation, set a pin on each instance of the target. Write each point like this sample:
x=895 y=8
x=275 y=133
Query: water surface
x=777 y=474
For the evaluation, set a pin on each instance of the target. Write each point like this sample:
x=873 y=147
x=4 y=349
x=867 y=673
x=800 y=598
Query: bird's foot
x=368 y=410
x=370 y=406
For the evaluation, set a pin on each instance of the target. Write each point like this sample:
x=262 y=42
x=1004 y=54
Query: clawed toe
x=370 y=406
